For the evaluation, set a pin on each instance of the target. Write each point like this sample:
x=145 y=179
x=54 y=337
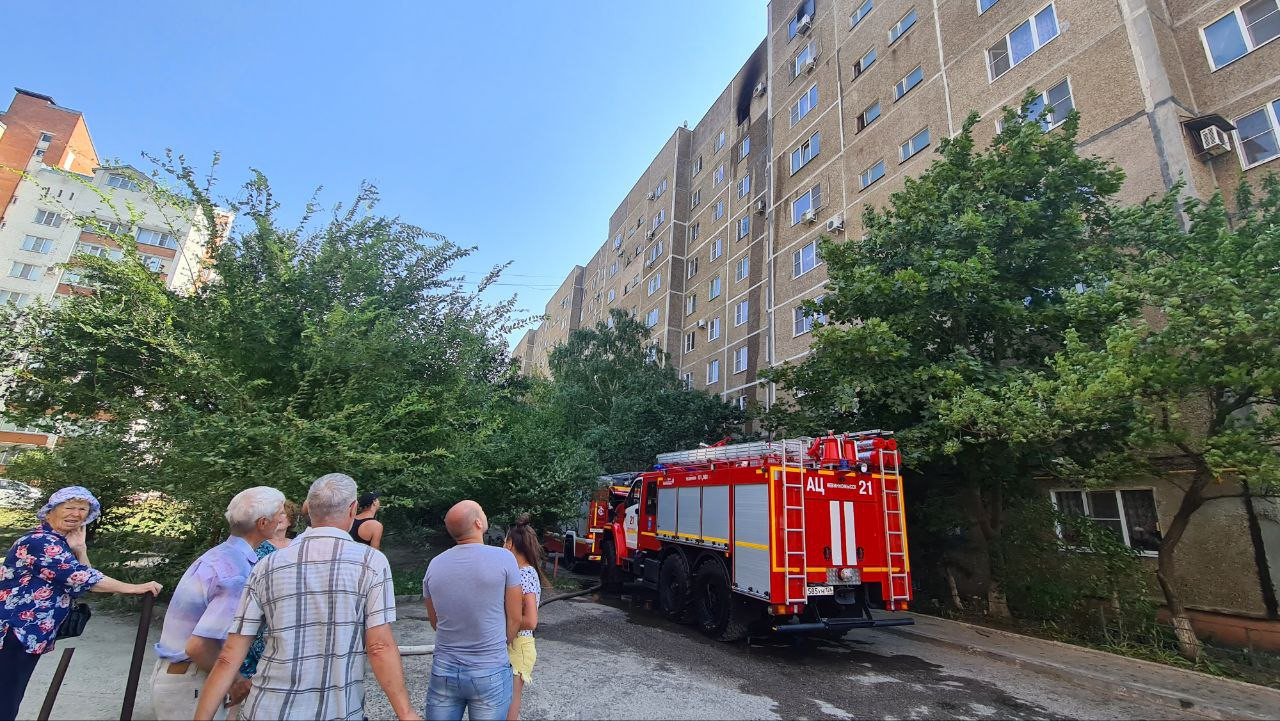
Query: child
x=523 y=542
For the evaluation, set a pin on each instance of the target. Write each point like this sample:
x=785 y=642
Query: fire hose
x=428 y=649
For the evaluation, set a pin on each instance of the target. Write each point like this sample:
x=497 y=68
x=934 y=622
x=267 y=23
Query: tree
x=1189 y=376
x=617 y=394
x=960 y=282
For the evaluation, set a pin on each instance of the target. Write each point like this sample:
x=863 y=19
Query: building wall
x=29 y=115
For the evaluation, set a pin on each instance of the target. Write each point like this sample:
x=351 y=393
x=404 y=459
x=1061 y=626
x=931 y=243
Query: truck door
x=631 y=519
x=649 y=515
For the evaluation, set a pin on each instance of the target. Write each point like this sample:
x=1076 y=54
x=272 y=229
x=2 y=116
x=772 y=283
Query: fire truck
x=576 y=545
x=805 y=535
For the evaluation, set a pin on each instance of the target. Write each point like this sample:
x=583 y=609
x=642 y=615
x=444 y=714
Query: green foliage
x=614 y=393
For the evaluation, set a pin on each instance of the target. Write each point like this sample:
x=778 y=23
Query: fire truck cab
x=796 y=536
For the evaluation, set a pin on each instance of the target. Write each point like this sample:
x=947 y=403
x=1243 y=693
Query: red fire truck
x=576 y=543
x=805 y=535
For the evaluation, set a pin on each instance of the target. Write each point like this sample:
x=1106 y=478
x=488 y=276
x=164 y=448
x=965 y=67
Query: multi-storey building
x=58 y=202
x=847 y=98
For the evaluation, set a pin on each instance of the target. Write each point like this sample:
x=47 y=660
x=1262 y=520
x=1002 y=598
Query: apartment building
x=59 y=202
x=847 y=98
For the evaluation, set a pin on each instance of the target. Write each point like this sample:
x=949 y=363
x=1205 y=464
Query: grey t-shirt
x=467 y=585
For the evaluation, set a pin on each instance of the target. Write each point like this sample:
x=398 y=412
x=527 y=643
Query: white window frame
x=744 y=268
x=37 y=244
x=713 y=329
x=804 y=105
x=1244 y=34
x=690 y=341
x=1273 y=119
x=613 y=295
x=124 y=182
x=744 y=148
x=860 y=13
x=909 y=150
x=690 y=304
x=990 y=4
x=814 y=206
x=721 y=139
x=810 y=50
x=719 y=211
x=713 y=371
x=741 y=312
x=808 y=150
x=863 y=123
x=1044 y=103
x=718 y=178
x=25 y=271
x=694 y=230
x=687 y=378
x=798 y=259
x=655 y=284
x=692 y=268
x=1035 y=41
x=651 y=318
x=1124 y=526
x=43 y=216
x=16 y=297
x=744 y=186
x=717 y=249
x=744 y=226
x=161 y=236
x=900 y=88
x=697 y=198
x=863 y=182
x=713 y=290
x=802 y=322
x=863 y=65
x=898 y=27
x=740 y=360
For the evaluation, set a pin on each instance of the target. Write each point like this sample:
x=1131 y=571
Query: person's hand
x=139 y=589
x=239 y=690
x=76 y=541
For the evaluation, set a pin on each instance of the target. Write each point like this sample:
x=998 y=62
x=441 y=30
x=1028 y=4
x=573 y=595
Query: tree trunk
x=1188 y=643
x=950 y=575
x=987 y=513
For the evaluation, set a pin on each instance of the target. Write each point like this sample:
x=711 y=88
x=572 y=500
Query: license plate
x=820 y=591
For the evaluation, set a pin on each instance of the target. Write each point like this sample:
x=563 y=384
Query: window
x=655 y=252
x=617 y=241
x=697 y=165
x=713 y=329
x=811 y=200
x=803 y=13
x=717 y=248
x=807 y=151
x=697 y=198
x=110 y=227
x=694 y=230
x=36 y=244
x=713 y=372
x=651 y=319
x=1058 y=102
x=692 y=269
x=864 y=63
x=49 y=218
x=871 y=175
x=744 y=227
x=153 y=263
x=807 y=102
x=740 y=313
x=719 y=209
x=805 y=259
x=744 y=186
x=39 y=152
x=613 y=269
x=14 y=297
x=740 y=360
x=720 y=139
x=124 y=182
x=915 y=144
x=655 y=284
x=688 y=381
x=985 y=5
x=690 y=304
x=1025 y=39
x=613 y=295
x=863 y=10
x=1241 y=31
x=744 y=148
x=905 y=85
x=714 y=291
x=740 y=403
x=690 y=340
x=719 y=176
x=1257 y=134
x=804 y=59
x=662 y=188
x=46 y=138
x=659 y=217
x=1128 y=513
x=26 y=271
x=804 y=320
x=155 y=237
x=744 y=269
x=868 y=116
x=902 y=26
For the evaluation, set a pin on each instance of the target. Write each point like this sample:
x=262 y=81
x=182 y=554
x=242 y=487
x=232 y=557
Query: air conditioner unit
x=804 y=25
x=1215 y=141
x=760 y=88
x=702 y=324
x=650 y=234
x=809 y=216
x=809 y=64
x=761 y=206
x=835 y=223
x=651 y=195
x=649 y=263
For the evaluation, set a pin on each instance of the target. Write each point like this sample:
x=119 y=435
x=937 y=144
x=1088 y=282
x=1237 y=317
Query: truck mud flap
x=842 y=624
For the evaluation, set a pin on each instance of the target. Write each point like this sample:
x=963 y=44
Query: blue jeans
x=484 y=692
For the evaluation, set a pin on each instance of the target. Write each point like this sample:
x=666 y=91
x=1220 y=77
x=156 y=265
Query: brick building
x=846 y=98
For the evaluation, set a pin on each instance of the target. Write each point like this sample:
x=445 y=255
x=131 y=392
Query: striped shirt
x=316 y=597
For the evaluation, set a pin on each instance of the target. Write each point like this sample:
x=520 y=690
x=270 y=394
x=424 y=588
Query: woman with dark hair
x=523 y=543
x=366 y=529
x=43 y=571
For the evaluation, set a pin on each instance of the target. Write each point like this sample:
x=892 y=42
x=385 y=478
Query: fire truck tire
x=674 y=587
x=610 y=576
x=567 y=557
x=718 y=613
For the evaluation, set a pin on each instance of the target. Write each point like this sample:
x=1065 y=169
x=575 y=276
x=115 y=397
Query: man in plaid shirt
x=327 y=603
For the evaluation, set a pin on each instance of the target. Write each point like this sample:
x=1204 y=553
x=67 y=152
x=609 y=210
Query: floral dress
x=250 y=665
x=39 y=578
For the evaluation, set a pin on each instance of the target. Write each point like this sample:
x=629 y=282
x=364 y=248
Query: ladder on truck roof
x=895 y=531
x=794 y=559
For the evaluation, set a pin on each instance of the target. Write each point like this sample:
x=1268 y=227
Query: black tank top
x=355 y=527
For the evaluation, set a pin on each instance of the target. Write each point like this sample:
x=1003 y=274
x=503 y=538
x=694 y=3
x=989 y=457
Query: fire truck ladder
x=794 y=561
x=895 y=531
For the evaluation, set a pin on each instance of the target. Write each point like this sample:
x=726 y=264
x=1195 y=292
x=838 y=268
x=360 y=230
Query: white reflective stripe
x=850 y=534
x=837 y=547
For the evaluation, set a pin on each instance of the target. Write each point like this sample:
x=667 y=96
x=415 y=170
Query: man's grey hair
x=331 y=495
x=251 y=504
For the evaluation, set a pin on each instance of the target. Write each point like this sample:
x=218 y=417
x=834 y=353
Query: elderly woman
x=43 y=571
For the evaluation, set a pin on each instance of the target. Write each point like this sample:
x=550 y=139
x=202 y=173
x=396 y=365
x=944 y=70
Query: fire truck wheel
x=673 y=588
x=610 y=577
x=567 y=557
x=718 y=612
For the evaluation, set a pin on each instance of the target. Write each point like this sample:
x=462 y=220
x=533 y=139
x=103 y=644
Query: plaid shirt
x=316 y=597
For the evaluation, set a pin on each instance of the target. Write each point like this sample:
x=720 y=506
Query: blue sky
x=515 y=127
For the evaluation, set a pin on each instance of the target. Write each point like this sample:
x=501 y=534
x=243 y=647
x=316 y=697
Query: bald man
x=473 y=596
